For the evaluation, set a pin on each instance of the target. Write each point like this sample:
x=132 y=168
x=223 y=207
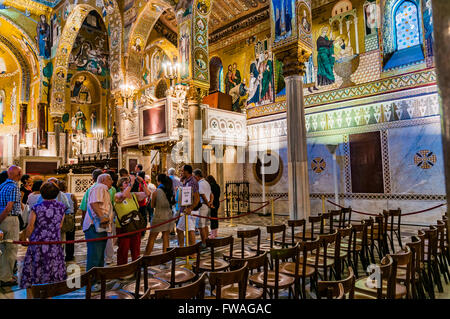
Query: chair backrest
x=441 y=229
x=388 y=273
x=404 y=258
x=188 y=251
x=294 y=223
x=348 y=285
x=276 y=229
x=336 y=215
x=393 y=218
x=431 y=242
x=327 y=241
x=345 y=217
x=45 y=291
x=415 y=245
x=115 y=272
x=222 y=278
x=305 y=249
x=284 y=254
x=159 y=259
x=314 y=220
x=327 y=217
x=381 y=224
x=196 y=290
x=219 y=242
x=359 y=231
x=244 y=234
x=253 y=263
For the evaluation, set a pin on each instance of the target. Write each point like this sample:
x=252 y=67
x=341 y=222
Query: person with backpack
x=162 y=201
x=126 y=206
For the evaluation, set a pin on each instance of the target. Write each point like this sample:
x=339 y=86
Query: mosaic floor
x=224 y=230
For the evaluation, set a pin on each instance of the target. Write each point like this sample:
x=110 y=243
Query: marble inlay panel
x=320 y=164
x=406 y=175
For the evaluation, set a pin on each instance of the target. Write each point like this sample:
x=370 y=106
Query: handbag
x=132 y=221
x=68 y=223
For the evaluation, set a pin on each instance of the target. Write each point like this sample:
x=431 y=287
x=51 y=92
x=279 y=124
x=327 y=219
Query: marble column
x=299 y=202
x=23 y=122
x=441 y=26
x=57 y=128
x=42 y=137
x=195 y=127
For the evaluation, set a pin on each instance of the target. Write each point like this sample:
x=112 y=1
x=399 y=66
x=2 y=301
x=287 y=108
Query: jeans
x=8 y=252
x=95 y=249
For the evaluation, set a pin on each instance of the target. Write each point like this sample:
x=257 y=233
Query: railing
x=79 y=183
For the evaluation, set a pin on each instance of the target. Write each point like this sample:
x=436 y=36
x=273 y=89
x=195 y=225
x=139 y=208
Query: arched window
x=407 y=30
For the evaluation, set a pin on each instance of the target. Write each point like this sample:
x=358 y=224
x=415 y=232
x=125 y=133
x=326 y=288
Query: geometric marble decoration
x=425 y=159
x=318 y=165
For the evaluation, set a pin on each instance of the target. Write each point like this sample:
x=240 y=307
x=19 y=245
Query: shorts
x=191 y=222
x=203 y=211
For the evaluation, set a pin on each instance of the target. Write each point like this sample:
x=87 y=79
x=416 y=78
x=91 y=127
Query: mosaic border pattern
x=347 y=167
x=382 y=86
x=421 y=197
x=385 y=161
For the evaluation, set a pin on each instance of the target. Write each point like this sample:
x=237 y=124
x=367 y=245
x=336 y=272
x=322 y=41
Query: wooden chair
x=358 y=246
x=108 y=273
x=431 y=258
x=153 y=282
x=295 y=237
x=381 y=284
x=215 y=264
x=417 y=290
x=316 y=227
x=273 y=231
x=182 y=274
x=46 y=291
x=333 y=292
x=253 y=264
x=223 y=283
x=327 y=225
x=345 y=237
x=308 y=251
x=345 y=217
x=381 y=235
x=276 y=280
x=403 y=259
x=327 y=288
x=195 y=290
x=424 y=266
x=243 y=235
x=329 y=255
x=441 y=250
x=392 y=218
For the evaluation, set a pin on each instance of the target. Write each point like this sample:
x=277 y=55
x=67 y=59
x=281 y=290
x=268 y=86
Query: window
x=407 y=25
x=366 y=163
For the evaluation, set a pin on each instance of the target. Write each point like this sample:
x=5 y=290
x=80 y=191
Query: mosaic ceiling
x=50 y=3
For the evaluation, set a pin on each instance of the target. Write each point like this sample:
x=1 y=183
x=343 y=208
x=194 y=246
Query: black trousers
x=70 y=248
x=214 y=222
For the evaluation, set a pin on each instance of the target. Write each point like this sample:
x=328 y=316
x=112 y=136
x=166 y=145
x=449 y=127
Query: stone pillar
x=42 y=137
x=57 y=128
x=195 y=128
x=441 y=25
x=299 y=202
x=23 y=122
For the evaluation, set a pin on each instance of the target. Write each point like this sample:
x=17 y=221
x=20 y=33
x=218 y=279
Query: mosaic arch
x=113 y=23
x=389 y=36
x=144 y=24
x=22 y=57
x=139 y=33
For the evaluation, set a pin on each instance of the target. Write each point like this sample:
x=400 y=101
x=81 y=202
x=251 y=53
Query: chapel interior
x=300 y=109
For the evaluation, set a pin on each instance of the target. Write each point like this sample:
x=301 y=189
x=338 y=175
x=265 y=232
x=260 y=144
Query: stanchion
x=323 y=204
x=231 y=224
x=273 y=213
x=186 y=227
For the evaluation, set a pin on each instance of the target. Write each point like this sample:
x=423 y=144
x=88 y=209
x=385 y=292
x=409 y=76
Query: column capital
x=293 y=59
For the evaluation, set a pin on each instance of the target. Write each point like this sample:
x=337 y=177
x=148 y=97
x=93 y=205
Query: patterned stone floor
x=246 y=222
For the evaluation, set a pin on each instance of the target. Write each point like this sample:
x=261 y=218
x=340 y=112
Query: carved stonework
x=293 y=62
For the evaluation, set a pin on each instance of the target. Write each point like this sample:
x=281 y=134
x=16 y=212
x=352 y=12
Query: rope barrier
x=372 y=214
x=60 y=242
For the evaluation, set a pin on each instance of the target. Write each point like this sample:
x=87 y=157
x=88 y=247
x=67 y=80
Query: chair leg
x=429 y=285
x=437 y=276
x=399 y=238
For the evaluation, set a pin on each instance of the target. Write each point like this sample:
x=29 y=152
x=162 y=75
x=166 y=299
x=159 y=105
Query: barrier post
x=323 y=204
x=231 y=224
x=273 y=213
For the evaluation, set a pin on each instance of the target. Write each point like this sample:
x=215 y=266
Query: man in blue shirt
x=10 y=209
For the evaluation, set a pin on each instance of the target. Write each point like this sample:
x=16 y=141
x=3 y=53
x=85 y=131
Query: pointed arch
x=113 y=23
